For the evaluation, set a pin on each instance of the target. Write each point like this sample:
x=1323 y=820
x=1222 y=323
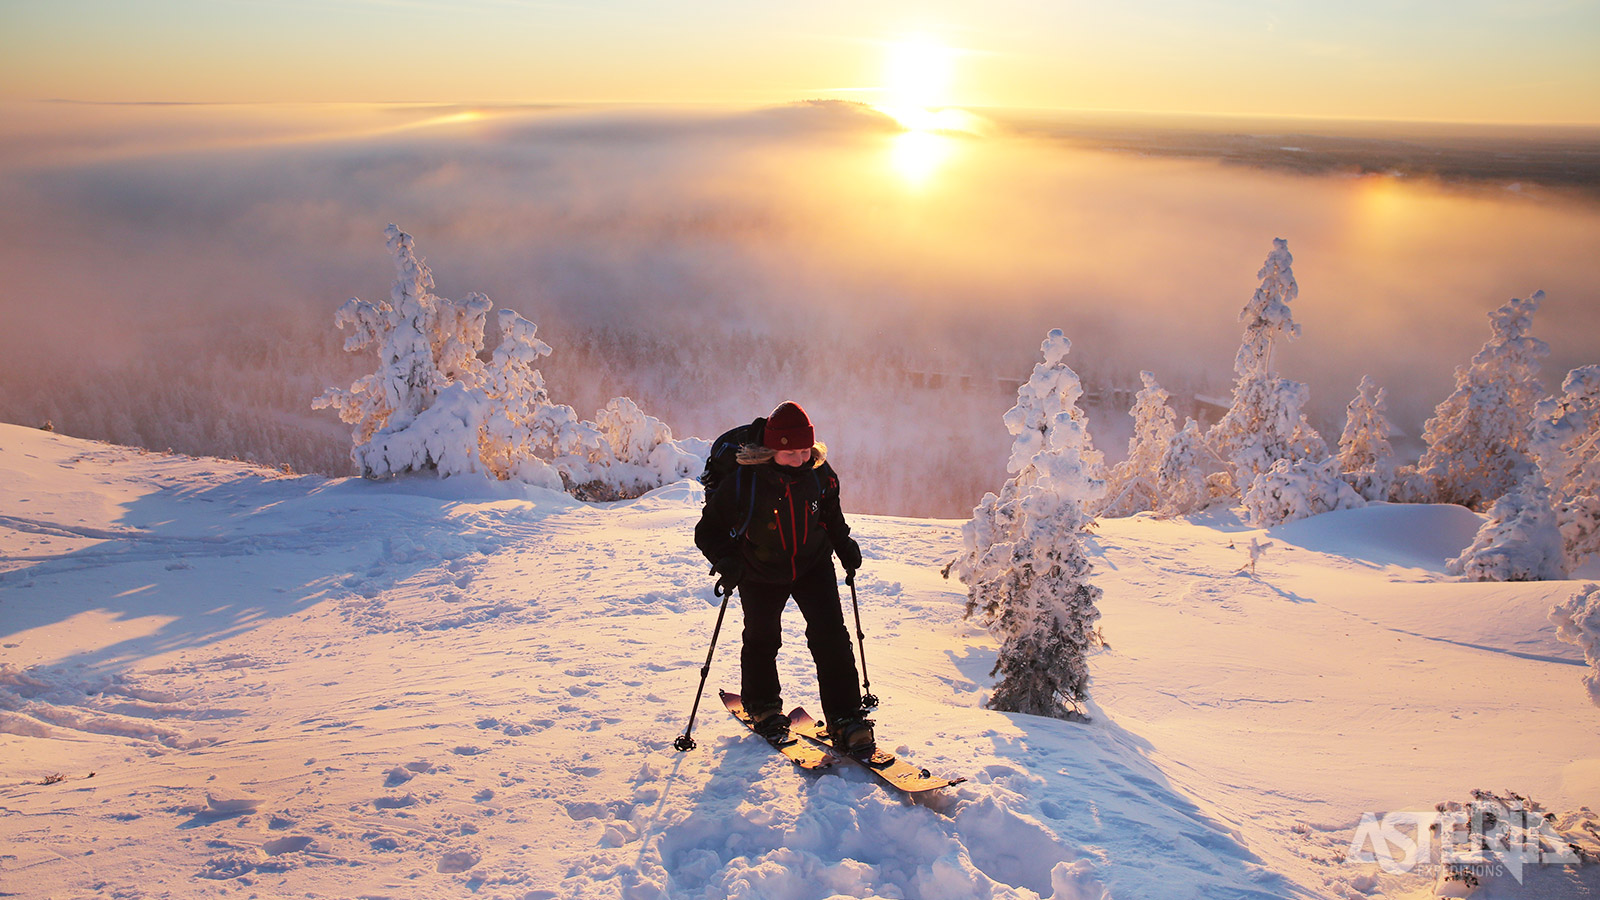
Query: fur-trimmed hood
x=755 y=455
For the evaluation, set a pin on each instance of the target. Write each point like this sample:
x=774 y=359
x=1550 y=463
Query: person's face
x=793 y=458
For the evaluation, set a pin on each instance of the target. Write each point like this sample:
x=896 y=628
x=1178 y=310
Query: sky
x=1500 y=61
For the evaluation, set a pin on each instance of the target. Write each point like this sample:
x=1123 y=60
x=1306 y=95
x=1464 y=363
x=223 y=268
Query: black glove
x=849 y=553
x=731 y=568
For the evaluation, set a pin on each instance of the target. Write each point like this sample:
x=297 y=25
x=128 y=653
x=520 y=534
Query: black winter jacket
x=793 y=519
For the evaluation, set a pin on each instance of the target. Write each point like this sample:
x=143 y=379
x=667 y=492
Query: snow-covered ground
x=219 y=680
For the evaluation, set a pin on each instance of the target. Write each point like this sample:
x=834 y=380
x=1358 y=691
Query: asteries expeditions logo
x=1470 y=842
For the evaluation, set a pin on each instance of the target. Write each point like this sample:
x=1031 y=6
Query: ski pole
x=684 y=742
x=868 y=701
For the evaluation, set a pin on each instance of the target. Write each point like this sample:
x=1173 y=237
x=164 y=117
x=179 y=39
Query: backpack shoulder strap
x=744 y=483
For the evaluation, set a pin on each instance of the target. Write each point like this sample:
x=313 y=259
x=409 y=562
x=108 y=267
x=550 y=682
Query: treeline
x=236 y=393
x=244 y=390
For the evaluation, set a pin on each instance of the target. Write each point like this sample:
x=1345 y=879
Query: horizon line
x=735 y=105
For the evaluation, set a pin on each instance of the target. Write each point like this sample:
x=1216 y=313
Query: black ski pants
x=816 y=592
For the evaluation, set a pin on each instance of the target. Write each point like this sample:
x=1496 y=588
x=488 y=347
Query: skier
x=770 y=529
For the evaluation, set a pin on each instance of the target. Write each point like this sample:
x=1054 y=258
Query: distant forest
x=910 y=437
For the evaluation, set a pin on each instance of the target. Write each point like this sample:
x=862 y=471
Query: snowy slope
x=267 y=685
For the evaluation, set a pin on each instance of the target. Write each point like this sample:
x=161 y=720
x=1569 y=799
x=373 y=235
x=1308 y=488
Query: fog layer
x=172 y=277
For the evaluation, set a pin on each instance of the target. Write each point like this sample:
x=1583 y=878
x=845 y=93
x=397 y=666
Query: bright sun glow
x=917 y=78
x=470 y=115
x=918 y=74
x=916 y=155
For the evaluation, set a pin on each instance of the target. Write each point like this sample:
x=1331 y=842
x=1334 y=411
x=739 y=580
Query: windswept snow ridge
x=219 y=680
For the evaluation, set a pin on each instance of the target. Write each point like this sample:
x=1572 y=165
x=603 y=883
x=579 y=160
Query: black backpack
x=723 y=462
x=724 y=458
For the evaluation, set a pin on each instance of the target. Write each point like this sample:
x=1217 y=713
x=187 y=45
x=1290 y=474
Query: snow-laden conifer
x=1477 y=439
x=1566 y=440
x=443 y=437
x=642 y=453
x=1131 y=484
x=1182 y=480
x=435 y=405
x=1025 y=564
x=1520 y=541
x=1365 y=455
x=1298 y=489
x=417 y=335
x=515 y=441
x=1266 y=421
x=1578 y=622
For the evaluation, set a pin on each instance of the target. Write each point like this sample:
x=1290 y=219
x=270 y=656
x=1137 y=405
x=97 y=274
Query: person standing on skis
x=770 y=529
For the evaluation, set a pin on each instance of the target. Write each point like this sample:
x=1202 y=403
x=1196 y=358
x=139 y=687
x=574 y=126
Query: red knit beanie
x=788 y=428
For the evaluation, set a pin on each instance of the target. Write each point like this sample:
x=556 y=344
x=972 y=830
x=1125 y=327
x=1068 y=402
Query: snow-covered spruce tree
x=1519 y=542
x=1182 y=482
x=1477 y=439
x=624 y=453
x=1578 y=622
x=424 y=346
x=641 y=452
x=514 y=434
x=434 y=405
x=1297 y=489
x=1131 y=484
x=1365 y=455
x=1266 y=421
x=1566 y=441
x=1025 y=564
x=403 y=331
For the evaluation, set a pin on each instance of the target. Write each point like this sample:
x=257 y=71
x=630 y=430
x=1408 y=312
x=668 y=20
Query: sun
x=917 y=74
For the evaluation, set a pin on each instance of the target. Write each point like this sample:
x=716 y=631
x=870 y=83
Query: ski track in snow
x=334 y=688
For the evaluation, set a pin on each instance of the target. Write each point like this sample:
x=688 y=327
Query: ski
x=804 y=754
x=890 y=768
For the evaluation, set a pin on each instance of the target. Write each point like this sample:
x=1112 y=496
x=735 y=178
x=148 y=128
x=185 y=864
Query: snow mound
x=1419 y=536
x=468 y=488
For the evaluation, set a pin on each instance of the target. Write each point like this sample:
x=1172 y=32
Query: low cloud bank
x=711 y=264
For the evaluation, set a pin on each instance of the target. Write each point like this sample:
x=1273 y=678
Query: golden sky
x=1467 y=60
